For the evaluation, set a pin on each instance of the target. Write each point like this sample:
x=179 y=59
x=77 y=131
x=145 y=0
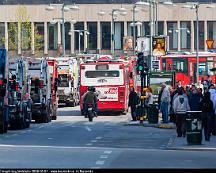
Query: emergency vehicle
x=40 y=90
x=110 y=78
x=3 y=91
x=68 y=90
x=53 y=70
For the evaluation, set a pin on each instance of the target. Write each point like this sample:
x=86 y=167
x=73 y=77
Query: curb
x=163 y=126
x=191 y=149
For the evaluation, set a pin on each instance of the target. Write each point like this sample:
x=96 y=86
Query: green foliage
x=21 y=31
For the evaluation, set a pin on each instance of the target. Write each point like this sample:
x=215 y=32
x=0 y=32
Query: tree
x=21 y=32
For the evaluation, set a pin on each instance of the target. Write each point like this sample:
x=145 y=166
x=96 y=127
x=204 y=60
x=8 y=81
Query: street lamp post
x=64 y=8
x=80 y=32
x=197 y=43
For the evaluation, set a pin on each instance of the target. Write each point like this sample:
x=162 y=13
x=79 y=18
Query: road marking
x=50 y=138
x=103 y=156
x=89 y=144
x=41 y=127
x=107 y=152
x=100 y=162
x=93 y=140
x=98 y=138
x=29 y=130
x=87 y=128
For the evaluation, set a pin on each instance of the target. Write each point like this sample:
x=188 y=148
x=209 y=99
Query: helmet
x=91 y=88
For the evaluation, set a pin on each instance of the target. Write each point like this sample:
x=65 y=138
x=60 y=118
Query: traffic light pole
x=142 y=100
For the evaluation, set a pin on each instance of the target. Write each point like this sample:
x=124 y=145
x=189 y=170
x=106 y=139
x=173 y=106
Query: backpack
x=181 y=106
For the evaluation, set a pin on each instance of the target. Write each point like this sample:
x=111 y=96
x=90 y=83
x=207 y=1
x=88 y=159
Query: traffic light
x=140 y=63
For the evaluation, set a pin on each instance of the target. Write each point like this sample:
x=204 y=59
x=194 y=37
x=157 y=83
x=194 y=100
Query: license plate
x=89 y=109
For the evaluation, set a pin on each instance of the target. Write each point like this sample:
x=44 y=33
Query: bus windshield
x=98 y=74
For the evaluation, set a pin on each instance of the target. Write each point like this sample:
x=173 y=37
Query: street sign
x=155 y=64
x=210 y=43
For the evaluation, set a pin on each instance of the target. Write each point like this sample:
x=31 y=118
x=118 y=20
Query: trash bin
x=194 y=127
x=152 y=113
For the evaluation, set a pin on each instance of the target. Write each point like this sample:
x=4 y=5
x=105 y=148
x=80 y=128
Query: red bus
x=184 y=66
x=111 y=80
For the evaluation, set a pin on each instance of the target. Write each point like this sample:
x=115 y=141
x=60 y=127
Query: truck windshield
x=63 y=80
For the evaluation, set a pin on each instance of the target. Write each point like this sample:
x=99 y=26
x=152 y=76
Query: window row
x=105 y=34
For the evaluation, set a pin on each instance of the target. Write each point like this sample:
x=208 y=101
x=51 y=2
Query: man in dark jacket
x=90 y=97
x=194 y=100
x=133 y=101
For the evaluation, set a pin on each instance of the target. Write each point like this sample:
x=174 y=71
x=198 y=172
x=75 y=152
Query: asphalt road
x=107 y=142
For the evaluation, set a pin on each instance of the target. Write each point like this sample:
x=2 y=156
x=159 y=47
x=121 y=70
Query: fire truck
x=53 y=70
x=19 y=100
x=68 y=90
x=41 y=93
x=3 y=91
x=110 y=78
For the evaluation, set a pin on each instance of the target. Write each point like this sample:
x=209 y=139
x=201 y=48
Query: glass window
x=164 y=64
x=53 y=36
x=180 y=65
x=146 y=28
x=63 y=80
x=12 y=36
x=119 y=33
x=212 y=31
x=2 y=35
x=201 y=35
x=26 y=35
x=96 y=74
x=106 y=35
x=160 y=28
x=202 y=68
x=67 y=36
x=39 y=35
x=185 y=35
x=173 y=35
x=92 y=37
x=79 y=26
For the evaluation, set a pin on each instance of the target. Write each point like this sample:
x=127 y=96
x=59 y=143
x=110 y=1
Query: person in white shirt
x=165 y=100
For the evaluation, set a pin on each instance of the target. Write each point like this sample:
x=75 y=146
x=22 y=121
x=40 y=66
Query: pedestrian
x=165 y=100
x=213 y=99
x=133 y=102
x=149 y=100
x=208 y=80
x=207 y=115
x=194 y=100
x=180 y=107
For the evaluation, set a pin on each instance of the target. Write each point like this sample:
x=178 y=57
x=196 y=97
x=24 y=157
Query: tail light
x=121 y=96
x=82 y=67
x=17 y=87
x=41 y=85
x=1 y=82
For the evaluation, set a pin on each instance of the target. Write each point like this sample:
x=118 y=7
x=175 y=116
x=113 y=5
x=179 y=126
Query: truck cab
x=40 y=90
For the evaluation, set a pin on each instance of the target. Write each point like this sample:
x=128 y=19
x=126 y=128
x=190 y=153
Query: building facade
x=174 y=21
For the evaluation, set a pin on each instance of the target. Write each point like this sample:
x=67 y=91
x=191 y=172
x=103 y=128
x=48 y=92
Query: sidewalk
x=179 y=143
